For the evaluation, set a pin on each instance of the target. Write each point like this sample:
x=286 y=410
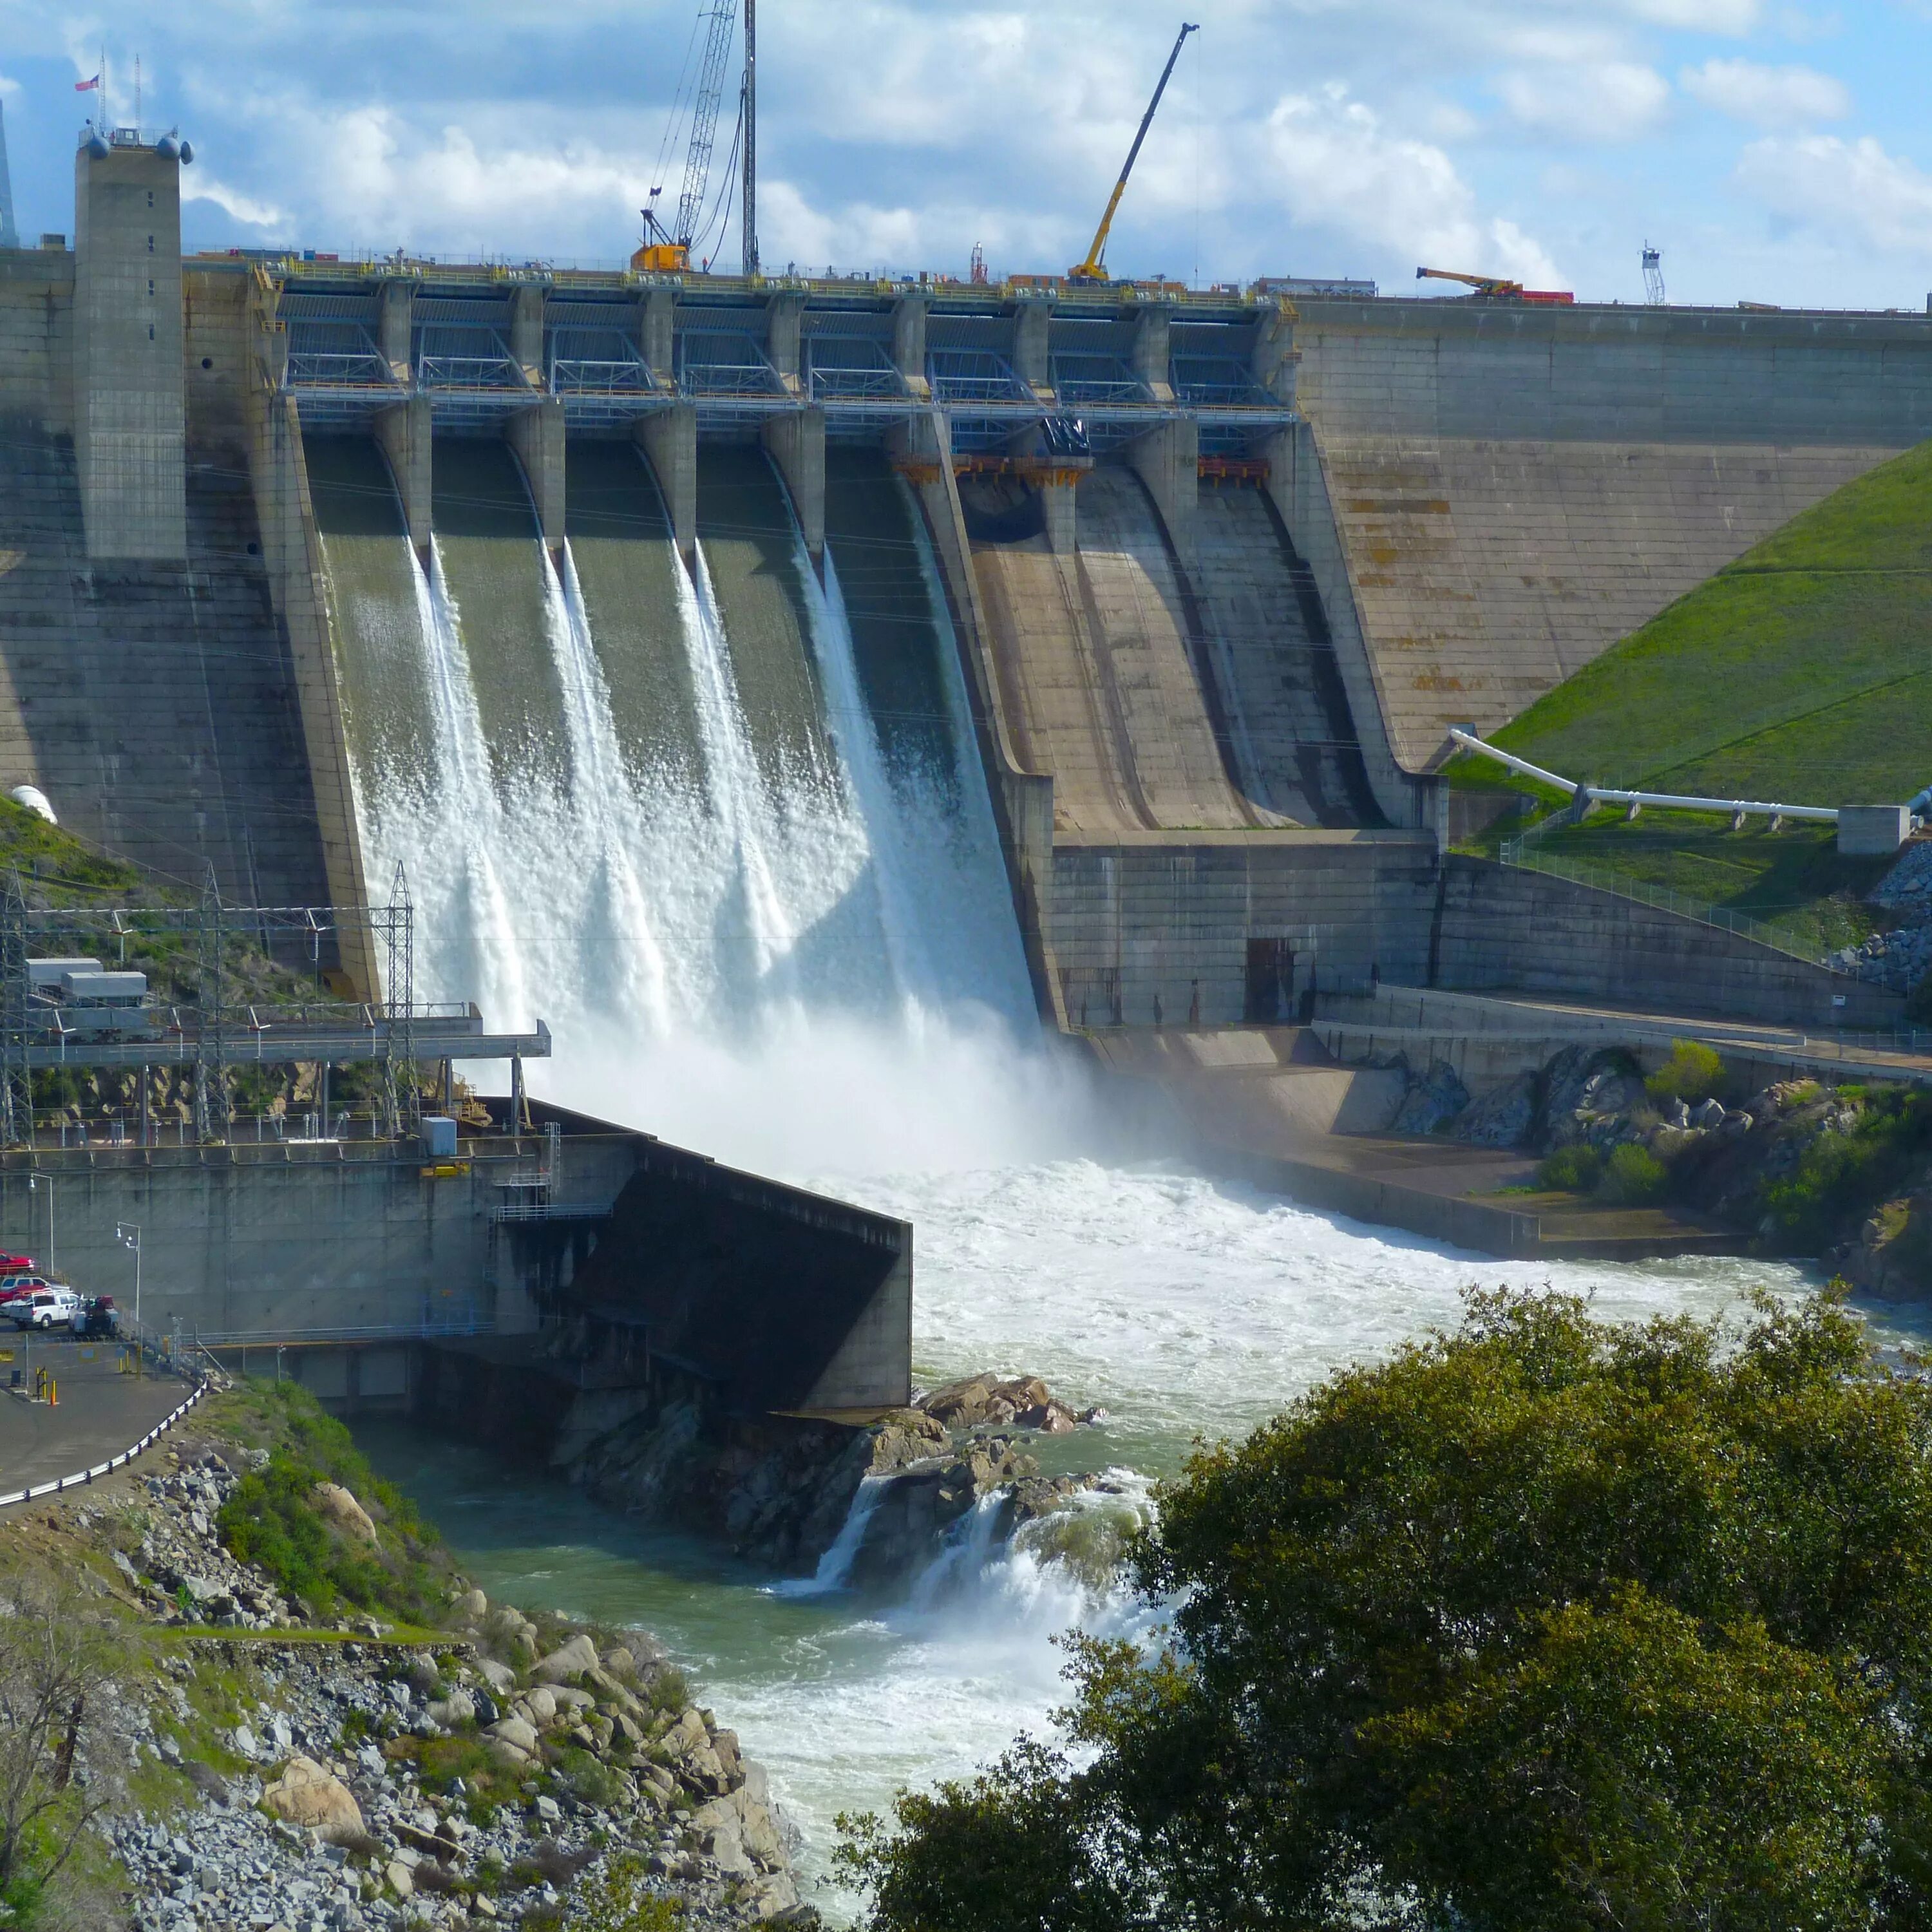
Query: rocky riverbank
x=1837 y=1173
x=785 y=1494
x=324 y=1773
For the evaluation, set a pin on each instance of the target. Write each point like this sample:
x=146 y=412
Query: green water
x=898 y=636
x=373 y=601
x=493 y=561
x=752 y=550
x=627 y=570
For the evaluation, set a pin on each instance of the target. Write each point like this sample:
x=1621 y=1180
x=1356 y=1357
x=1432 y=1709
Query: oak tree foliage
x=1546 y=1624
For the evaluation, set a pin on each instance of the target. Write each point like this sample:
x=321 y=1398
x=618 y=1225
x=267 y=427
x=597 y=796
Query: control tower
x=129 y=417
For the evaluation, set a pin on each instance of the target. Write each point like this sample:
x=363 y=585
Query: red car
x=13 y=1286
x=17 y=1264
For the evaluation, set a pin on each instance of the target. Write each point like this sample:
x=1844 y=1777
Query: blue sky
x=1776 y=150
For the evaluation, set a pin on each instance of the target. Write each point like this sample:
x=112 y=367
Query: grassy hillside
x=1801 y=672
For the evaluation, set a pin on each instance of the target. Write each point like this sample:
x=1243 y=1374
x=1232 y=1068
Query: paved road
x=100 y=1413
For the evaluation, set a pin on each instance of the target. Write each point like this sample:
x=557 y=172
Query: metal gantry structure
x=215 y=1031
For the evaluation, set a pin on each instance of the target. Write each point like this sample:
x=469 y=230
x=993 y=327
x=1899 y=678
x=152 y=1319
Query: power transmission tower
x=1653 y=276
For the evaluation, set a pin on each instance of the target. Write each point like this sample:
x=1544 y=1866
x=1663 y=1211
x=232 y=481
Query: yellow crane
x=1091 y=270
x=1490 y=288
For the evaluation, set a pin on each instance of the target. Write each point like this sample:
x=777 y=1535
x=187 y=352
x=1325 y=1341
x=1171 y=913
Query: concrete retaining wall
x=1503 y=929
x=1517 y=489
x=1172 y=917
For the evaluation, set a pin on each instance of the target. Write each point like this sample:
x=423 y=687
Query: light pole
x=130 y=1233
x=33 y=1187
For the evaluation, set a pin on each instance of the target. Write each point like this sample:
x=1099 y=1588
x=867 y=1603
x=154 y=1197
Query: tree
x=1545 y=1625
x=57 y=1658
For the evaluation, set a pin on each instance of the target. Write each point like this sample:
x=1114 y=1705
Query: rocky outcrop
x=782 y=1492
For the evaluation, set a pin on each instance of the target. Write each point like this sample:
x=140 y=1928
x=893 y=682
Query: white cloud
x=1852 y=190
x=1707 y=16
x=1772 y=97
x=1617 y=100
x=197 y=186
x=1333 y=164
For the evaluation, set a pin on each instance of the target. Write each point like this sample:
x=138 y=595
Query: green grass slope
x=1802 y=672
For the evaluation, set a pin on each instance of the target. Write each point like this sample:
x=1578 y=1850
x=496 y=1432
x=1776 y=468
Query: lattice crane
x=668 y=249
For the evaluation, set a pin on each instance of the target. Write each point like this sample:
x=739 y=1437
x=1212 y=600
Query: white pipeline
x=1602 y=795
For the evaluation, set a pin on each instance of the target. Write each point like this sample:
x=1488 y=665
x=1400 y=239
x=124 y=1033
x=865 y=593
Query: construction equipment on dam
x=667 y=249
x=1495 y=288
x=1092 y=268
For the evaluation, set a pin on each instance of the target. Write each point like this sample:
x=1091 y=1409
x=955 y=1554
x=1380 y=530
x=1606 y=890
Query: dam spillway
x=1211 y=571
x=656 y=797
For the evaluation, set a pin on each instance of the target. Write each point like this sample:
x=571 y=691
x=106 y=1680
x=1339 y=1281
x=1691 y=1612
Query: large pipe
x=1599 y=794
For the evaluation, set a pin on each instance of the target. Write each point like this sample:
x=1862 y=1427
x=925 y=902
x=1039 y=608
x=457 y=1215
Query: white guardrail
x=81 y=1477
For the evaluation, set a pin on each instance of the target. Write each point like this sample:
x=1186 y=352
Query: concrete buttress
x=796 y=442
x=669 y=440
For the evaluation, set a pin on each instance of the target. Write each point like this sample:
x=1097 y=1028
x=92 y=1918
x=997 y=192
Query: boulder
x=400 y=1882
x=458 y=1707
x=308 y=1795
x=1504 y=1118
x=568 y=1660
x=769 y=1897
x=515 y=1731
x=539 y=1705
x=620 y=1663
x=978 y=1398
x=472 y=1607
x=1431 y=1104
x=337 y=1507
x=500 y=1677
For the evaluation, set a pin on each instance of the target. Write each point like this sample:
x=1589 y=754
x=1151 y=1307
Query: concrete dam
x=913 y=630
x=702 y=653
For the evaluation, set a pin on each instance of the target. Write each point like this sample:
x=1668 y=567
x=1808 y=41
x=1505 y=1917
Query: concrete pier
x=796 y=442
x=536 y=435
x=669 y=440
x=404 y=433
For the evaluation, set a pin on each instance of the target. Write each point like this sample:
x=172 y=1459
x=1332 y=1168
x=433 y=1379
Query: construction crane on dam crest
x=1091 y=269
x=667 y=249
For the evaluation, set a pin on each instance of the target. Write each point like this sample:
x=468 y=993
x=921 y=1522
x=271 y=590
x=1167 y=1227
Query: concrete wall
x=1517 y=489
x=786 y=1300
x=1506 y=929
x=348 y=1252
x=129 y=414
x=1164 y=916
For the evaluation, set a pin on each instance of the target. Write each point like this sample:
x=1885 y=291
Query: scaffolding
x=217 y=1030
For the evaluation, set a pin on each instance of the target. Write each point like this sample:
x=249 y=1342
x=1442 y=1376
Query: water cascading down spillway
x=646 y=802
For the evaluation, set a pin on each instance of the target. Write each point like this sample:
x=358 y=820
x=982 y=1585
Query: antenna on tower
x=10 y=236
x=1653 y=276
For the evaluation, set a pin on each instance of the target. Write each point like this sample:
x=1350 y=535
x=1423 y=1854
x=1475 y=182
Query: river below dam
x=1187 y=1308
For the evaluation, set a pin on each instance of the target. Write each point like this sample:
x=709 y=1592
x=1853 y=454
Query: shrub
x=270 y=1521
x=1634 y=1175
x=1575 y=1169
x=1693 y=1073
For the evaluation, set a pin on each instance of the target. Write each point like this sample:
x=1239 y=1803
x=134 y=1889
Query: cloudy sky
x=1776 y=150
